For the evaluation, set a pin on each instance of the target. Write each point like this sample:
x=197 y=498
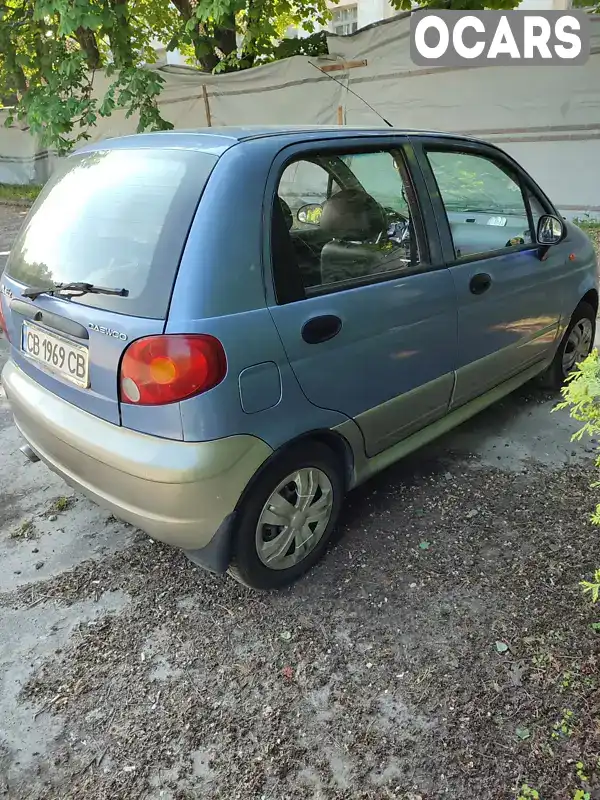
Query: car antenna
x=389 y=124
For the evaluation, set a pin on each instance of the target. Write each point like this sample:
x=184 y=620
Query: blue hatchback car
x=218 y=334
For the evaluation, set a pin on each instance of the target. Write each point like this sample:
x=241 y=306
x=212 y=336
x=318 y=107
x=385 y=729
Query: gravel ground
x=443 y=648
x=11 y=218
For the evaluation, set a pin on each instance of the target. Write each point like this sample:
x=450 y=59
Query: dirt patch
x=58 y=506
x=431 y=655
x=9 y=509
x=25 y=531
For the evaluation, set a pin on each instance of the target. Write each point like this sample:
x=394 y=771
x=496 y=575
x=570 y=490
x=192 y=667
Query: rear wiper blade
x=74 y=289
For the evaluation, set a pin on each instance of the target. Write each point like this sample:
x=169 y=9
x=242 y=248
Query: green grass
x=11 y=192
x=61 y=504
x=587 y=224
x=26 y=531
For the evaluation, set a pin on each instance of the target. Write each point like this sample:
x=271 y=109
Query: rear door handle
x=480 y=283
x=321 y=328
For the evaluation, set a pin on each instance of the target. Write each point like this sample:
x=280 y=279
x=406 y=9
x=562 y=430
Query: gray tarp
x=547 y=117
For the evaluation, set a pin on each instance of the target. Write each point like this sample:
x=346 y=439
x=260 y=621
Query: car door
x=371 y=332
x=508 y=298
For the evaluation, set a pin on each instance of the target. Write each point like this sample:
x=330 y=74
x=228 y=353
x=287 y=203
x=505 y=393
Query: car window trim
x=360 y=283
x=488 y=254
x=351 y=145
x=493 y=154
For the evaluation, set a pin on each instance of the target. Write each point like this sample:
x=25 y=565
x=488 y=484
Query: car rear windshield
x=117 y=219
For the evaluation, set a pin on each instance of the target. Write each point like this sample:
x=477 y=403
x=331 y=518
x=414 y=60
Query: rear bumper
x=181 y=493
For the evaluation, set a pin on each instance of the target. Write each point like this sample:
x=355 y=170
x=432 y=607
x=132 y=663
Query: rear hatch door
x=117 y=219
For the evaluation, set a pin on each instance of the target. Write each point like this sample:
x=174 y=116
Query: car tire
x=311 y=467
x=584 y=321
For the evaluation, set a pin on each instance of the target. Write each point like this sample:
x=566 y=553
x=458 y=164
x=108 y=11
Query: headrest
x=352 y=215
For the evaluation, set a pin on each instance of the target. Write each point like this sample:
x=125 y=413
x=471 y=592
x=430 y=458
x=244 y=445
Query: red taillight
x=3 y=325
x=165 y=369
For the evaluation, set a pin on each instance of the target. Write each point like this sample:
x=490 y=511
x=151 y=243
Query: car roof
x=217 y=140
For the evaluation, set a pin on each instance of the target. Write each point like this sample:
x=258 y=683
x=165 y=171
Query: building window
x=344 y=20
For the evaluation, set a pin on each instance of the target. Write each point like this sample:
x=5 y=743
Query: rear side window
x=117 y=219
x=349 y=223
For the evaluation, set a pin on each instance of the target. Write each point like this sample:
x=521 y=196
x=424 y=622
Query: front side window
x=348 y=219
x=484 y=203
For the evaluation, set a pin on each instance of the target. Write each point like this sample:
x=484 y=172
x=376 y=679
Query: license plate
x=57 y=355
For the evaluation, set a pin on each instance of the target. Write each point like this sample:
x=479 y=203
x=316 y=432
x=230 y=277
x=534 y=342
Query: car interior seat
x=352 y=218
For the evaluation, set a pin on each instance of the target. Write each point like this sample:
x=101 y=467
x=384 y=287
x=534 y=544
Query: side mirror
x=550 y=230
x=310 y=214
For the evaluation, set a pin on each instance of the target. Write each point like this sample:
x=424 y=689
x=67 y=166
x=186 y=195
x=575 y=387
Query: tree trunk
x=207 y=59
x=222 y=37
x=87 y=42
x=185 y=8
x=225 y=35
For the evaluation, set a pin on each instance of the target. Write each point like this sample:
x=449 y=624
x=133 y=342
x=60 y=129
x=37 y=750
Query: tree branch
x=185 y=8
x=204 y=44
x=87 y=41
x=225 y=37
x=120 y=36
